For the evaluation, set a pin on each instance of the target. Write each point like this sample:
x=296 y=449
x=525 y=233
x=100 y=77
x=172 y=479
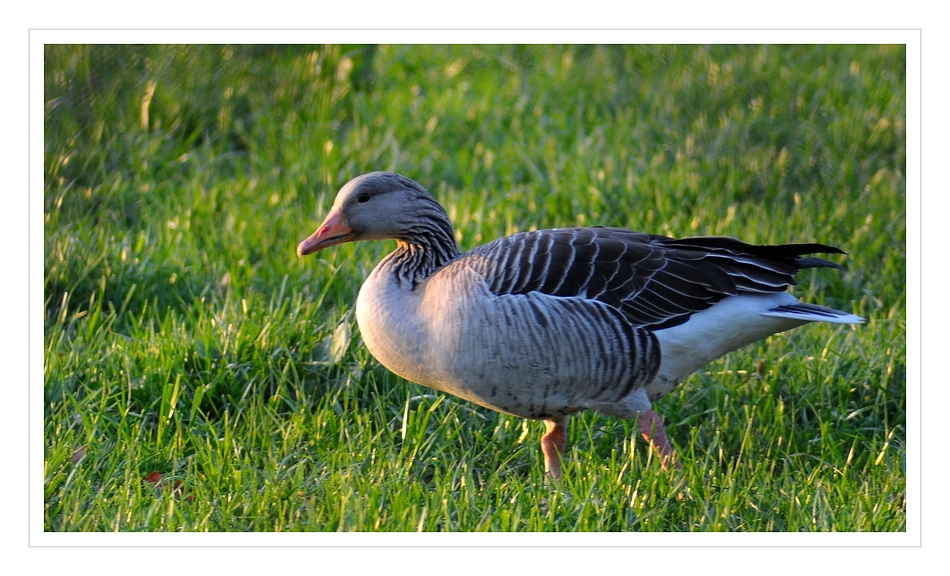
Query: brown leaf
x=177 y=488
x=155 y=479
x=78 y=455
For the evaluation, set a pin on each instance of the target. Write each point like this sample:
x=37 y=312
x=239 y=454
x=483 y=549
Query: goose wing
x=655 y=281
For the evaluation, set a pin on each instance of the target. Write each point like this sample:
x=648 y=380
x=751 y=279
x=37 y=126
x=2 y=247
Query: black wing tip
x=727 y=242
x=813 y=248
x=802 y=263
x=791 y=253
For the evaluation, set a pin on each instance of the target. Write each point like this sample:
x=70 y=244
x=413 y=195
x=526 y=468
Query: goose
x=548 y=323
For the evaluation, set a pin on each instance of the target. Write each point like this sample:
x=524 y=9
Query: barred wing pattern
x=657 y=282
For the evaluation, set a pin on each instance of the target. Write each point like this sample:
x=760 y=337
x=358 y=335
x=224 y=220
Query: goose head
x=380 y=206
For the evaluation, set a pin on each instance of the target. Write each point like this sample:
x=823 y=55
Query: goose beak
x=333 y=231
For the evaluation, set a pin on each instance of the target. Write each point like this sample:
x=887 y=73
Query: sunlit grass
x=183 y=336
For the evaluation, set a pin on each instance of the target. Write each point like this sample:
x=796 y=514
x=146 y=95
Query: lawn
x=200 y=377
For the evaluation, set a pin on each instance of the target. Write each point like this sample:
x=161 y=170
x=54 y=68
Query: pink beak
x=333 y=231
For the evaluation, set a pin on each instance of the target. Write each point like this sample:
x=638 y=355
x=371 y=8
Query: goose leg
x=651 y=428
x=553 y=444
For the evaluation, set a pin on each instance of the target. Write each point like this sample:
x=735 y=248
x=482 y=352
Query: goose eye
x=363 y=198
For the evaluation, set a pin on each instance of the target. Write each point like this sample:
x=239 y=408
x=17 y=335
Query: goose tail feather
x=813 y=313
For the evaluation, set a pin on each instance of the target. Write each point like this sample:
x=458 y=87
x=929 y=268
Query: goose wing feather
x=656 y=281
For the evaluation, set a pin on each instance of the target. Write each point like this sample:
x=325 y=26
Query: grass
x=182 y=336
